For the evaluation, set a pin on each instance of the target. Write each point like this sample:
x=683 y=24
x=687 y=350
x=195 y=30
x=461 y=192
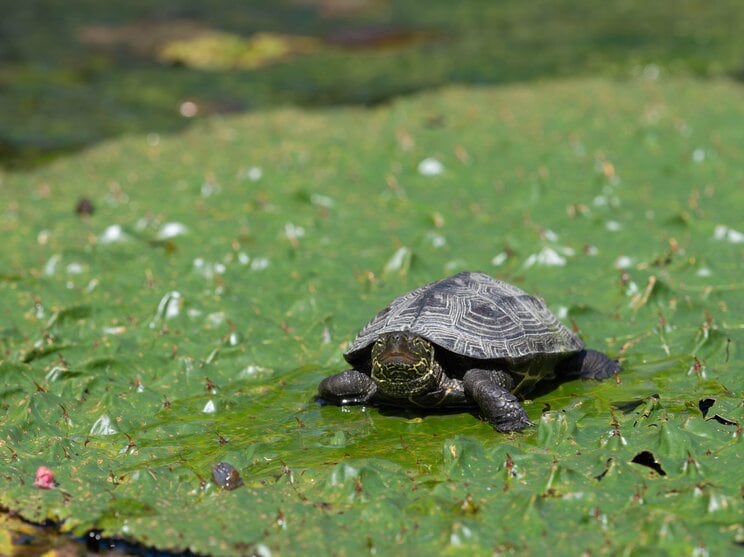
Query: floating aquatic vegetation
x=219 y=50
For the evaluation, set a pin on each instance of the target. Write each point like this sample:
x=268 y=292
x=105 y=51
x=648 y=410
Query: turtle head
x=403 y=365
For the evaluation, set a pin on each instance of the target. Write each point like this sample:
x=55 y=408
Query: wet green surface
x=188 y=321
x=75 y=73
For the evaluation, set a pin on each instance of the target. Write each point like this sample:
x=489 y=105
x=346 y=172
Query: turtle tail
x=588 y=364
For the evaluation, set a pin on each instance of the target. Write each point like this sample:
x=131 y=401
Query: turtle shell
x=473 y=315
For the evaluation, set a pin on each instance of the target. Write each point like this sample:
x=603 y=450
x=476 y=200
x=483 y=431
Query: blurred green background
x=74 y=73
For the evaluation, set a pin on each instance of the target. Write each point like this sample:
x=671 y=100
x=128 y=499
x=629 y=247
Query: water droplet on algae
x=54 y=373
x=550 y=235
x=259 y=264
x=74 y=268
x=730 y=235
x=168 y=307
x=113 y=234
x=252 y=371
x=547 y=257
x=430 y=167
x=499 y=259
x=43 y=237
x=262 y=551
x=400 y=262
x=210 y=407
x=171 y=230
x=321 y=200
x=188 y=364
x=632 y=289
x=216 y=319
x=455 y=265
x=209 y=188
x=698 y=155
x=51 y=265
x=623 y=262
x=293 y=232
x=254 y=174
x=207 y=269
x=614 y=439
x=436 y=240
x=103 y=426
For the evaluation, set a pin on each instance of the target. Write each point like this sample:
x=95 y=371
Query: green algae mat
x=171 y=302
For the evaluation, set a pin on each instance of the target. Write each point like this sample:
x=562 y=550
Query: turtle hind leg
x=588 y=364
x=490 y=390
x=348 y=387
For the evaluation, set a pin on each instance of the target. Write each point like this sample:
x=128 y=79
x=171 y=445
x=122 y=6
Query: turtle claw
x=516 y=424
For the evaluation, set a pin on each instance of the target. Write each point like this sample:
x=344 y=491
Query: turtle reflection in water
x=467 y=341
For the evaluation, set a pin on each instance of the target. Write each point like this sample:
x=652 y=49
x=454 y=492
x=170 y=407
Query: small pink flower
x=44 y=478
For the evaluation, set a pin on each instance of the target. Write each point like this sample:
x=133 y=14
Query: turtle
x=468 y=342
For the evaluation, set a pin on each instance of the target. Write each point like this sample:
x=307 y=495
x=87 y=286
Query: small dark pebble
x=84 y=208
x=226 y=476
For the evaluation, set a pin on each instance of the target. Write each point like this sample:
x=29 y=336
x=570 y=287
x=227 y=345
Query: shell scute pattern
x=473 y=315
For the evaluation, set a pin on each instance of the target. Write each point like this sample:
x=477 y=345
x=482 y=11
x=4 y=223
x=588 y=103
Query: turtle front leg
x=348 y=387
x=490 y=389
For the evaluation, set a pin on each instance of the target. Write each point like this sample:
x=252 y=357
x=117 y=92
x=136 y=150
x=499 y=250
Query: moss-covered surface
x=189 y=318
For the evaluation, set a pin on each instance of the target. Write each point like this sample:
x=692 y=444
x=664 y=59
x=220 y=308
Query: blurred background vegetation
x=74 y=73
